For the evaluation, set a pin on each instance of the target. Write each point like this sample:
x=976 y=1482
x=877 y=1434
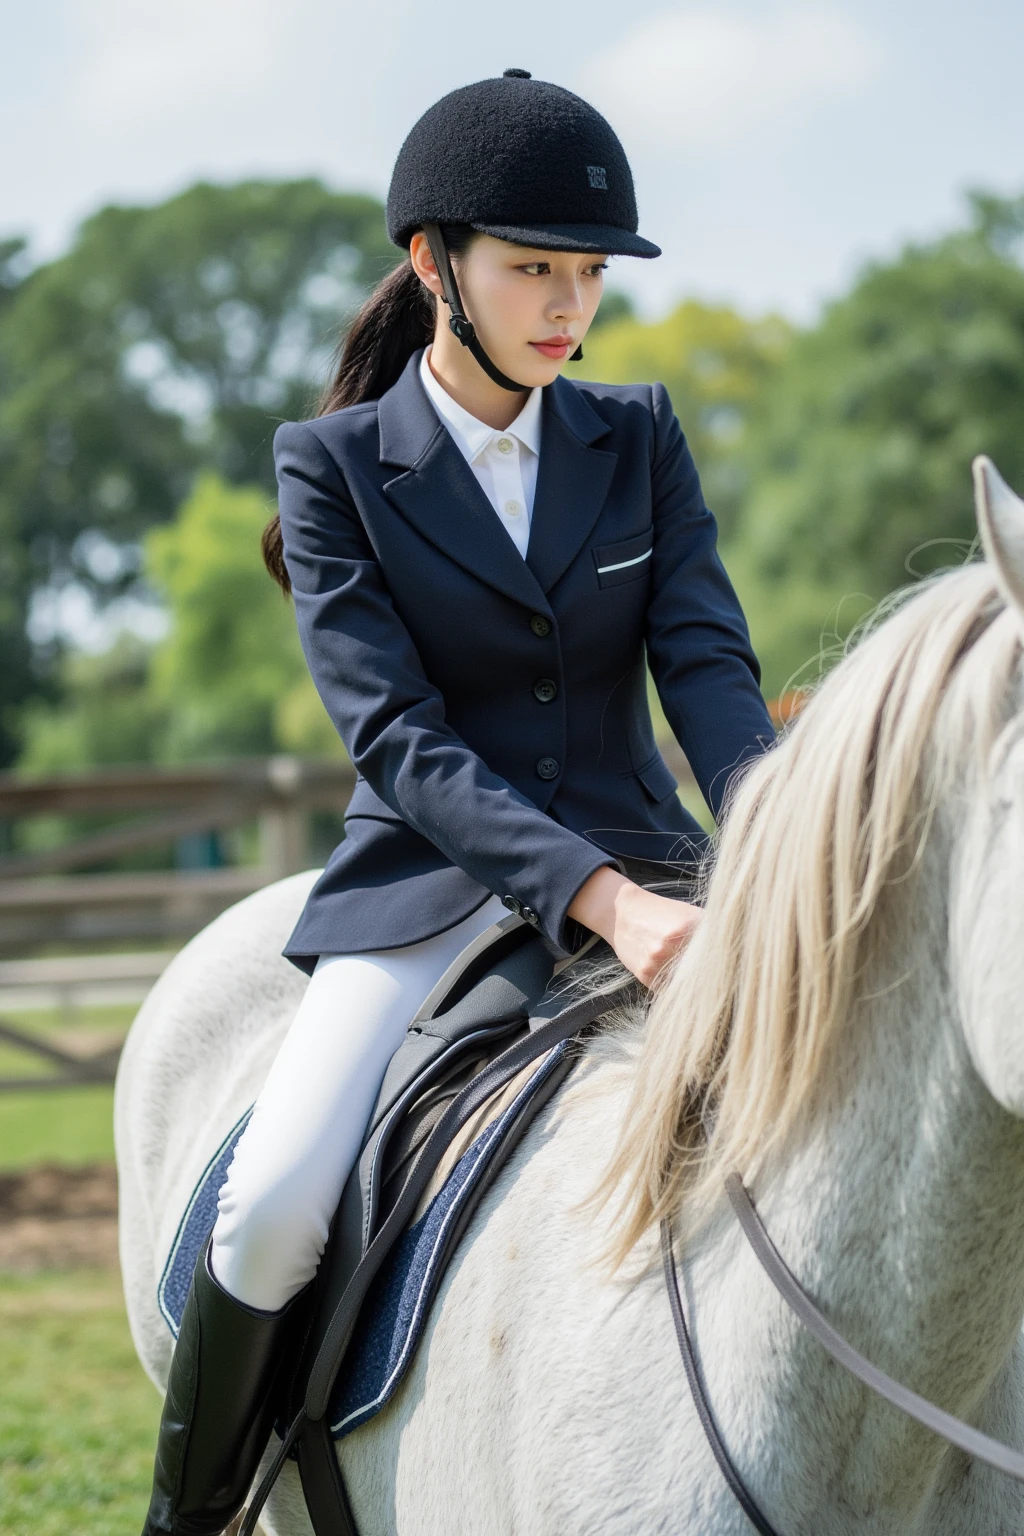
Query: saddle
x=499 y=1019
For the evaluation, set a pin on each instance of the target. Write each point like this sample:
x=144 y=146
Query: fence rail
x=76 y=1071
x=43 y=901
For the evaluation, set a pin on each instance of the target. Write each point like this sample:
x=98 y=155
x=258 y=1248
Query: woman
x=481 y=555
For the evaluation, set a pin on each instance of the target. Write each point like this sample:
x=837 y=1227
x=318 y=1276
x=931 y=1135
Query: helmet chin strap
x=458 y=322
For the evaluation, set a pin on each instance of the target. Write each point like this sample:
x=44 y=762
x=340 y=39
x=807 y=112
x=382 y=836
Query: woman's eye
x=599 y=266
x=537 y=268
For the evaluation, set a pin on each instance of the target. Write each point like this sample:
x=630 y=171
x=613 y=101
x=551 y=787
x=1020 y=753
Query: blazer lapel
x=439 y=494
x=573 y=480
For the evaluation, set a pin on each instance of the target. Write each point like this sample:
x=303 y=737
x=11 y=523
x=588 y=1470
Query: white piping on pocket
x=603 y=570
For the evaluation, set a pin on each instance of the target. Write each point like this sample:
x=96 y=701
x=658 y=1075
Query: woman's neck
x=460 y=375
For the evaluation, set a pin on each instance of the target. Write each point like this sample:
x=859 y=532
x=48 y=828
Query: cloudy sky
x=775 y=146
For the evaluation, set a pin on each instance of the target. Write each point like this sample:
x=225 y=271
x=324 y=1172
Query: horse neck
x=902 y=1210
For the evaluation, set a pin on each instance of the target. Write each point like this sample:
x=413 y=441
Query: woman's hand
x=644 y=929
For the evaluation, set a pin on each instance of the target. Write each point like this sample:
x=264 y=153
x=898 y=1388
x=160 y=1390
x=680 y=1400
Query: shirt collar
x=473 y=435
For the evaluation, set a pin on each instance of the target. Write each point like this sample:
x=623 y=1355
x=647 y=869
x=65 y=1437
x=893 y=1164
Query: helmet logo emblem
x=597 y=177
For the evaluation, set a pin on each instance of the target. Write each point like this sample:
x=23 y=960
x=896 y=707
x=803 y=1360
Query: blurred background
x=190 y=211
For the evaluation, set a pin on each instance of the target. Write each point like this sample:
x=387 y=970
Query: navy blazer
x=495 y=708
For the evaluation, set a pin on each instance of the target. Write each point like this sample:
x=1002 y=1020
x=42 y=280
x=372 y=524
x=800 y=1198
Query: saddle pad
x=398 y=1302
x=194 y=1228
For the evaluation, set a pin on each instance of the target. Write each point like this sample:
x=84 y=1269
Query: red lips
x=555 y=347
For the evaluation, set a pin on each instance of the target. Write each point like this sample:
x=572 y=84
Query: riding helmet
x=522 y=160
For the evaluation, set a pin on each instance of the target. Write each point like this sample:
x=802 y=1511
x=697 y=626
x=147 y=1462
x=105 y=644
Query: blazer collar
x=441 y=496
x=407 y=421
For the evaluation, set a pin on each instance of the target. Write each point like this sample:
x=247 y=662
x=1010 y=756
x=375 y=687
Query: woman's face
x=530 y=308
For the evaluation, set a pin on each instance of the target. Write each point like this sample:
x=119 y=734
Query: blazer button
x=545 y=690
x=540 y=625
x=529 y=916
x=548 y=768
x=513 y=905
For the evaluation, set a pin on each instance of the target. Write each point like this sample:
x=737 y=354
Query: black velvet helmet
x=520 y=159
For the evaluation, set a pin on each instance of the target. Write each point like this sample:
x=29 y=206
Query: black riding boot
x=218 y=1411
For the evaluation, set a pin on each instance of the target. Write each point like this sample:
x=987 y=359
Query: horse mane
x=738 y=1036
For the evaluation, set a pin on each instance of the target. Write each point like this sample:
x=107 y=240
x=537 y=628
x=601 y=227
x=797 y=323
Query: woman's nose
x=568 y=303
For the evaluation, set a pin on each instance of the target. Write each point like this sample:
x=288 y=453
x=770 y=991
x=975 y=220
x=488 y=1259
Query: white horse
x=851 y=1013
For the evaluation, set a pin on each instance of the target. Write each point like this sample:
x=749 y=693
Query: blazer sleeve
x=391 y=718
x=698 y=644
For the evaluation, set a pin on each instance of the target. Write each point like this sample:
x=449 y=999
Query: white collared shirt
x=505 y=463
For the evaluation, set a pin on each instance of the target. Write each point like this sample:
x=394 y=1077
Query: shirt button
x=545 y=690
x=540 y=625
x=505 y=445
x=547 y=768
x=512 y=508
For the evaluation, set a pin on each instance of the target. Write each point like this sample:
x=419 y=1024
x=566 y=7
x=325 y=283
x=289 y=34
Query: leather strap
x=700 y=1401
x=965 y=1437
x=458 y=322
x=273 y=1472
x=323 y=1486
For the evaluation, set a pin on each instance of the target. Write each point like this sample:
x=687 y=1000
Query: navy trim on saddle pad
x=194 y=1228
x=398 y=1303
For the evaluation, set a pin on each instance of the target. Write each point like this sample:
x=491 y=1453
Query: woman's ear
x=423 y=263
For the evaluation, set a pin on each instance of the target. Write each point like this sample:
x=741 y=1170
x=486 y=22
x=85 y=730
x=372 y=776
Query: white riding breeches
x=308 y=1123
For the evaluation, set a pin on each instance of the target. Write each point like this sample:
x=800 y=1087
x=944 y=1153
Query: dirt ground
x=53 y=1217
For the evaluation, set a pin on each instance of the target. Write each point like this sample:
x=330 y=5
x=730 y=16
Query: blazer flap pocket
x=625 y=561
x=657 y=778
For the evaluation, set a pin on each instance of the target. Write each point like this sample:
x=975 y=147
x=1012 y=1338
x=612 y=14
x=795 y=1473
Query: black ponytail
x=397 y=319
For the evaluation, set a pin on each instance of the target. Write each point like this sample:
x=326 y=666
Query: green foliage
x=615 y=305
x=232 y=656
x=230 y=678
x=166 y=340
x=78 y=1418
x=106 y=715
x=859 y=455
x=60 y=1125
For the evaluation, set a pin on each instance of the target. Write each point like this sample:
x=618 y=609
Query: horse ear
x=1001 y=524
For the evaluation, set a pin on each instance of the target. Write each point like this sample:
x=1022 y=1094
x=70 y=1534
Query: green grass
x=78 y=1417
x=68 y=1125
x=59 y=1125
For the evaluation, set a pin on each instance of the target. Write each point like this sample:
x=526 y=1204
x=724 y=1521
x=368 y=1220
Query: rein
x=973 y=1442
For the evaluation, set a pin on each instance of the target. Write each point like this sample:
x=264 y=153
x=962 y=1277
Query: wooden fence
x=44 y=902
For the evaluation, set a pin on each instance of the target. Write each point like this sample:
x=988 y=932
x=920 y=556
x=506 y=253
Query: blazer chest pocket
x=629 y=560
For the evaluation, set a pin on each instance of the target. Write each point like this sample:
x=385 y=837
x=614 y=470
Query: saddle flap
x=483 y=1000
x=499 y=977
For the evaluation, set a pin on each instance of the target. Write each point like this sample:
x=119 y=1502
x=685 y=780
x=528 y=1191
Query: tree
x=859 y=455
x=106 y=714
x=167 y=340
x=228 y=680
x=231 y=666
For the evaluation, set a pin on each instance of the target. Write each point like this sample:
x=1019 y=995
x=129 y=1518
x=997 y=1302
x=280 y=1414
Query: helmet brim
x=598 y=239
